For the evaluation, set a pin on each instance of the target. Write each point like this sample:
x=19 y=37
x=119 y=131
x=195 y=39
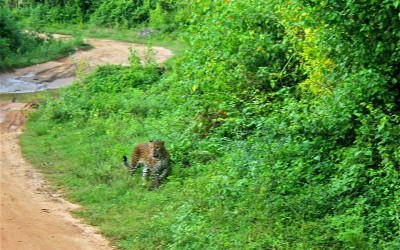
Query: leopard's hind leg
x=131 y=168
x=145 y=173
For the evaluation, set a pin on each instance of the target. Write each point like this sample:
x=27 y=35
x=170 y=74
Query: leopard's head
x=157 y=148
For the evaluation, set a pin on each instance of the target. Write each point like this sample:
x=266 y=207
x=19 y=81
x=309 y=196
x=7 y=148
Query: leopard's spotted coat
x=154 y=157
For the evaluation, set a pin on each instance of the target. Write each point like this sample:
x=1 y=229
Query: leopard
x=154 y=157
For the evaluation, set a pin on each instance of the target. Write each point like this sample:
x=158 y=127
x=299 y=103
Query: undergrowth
x=20 y=47
x=297 y=183
x=283 y=134
x=97 y=120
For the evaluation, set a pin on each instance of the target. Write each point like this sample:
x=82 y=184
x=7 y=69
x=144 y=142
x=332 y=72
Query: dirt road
x=32 y=216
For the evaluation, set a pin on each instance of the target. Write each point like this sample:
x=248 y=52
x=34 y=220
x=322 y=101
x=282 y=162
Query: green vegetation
x=282 y=119
x=87 y=130
x=118 y=20
x=165 y=15
x=20 y=47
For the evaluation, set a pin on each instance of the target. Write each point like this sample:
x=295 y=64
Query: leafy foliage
x=352 y=34
x=282 y=119
x=165 y=14
x=19 y=47
x=237 y=54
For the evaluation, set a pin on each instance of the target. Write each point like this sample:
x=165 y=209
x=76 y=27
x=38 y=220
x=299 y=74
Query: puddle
x=27 y=83
x=10 y=85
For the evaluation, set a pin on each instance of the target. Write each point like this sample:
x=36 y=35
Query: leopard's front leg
x=145 y=173
x=156 y=179
x=164 y=174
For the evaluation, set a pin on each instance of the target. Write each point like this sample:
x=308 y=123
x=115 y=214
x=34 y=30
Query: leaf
x=272 y=83
x=396 y=4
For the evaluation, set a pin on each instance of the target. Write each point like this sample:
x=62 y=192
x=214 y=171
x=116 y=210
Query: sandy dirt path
x=32 y=215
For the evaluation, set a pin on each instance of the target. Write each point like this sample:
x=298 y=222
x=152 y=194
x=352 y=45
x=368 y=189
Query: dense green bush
x=164 y=15
x=282 y=120
x=237 y=54
x=315 y=171
x=119 y=13
x=319 y=173
x=13 y=39
x=345 y=37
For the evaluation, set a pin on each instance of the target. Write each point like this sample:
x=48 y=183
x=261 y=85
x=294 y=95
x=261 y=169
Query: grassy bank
x=81 y=153
x=39 y=97
x=259 y=192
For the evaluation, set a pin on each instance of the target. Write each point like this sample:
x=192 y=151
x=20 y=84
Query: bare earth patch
x=32 y=215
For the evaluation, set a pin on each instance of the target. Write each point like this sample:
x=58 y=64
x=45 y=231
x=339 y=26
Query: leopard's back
x=142 y=154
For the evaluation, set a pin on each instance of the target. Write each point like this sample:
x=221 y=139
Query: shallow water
x=10 y=85
x=27 y=83
x=19 y=84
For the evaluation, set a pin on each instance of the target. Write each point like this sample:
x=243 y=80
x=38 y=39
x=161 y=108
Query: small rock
x=146 y=31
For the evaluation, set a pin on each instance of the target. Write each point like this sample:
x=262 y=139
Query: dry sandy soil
x=32 y=215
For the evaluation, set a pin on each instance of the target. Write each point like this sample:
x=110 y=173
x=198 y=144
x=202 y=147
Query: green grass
x=38 y=97
x=81 y=154
x=123 y=208
x=268 y=191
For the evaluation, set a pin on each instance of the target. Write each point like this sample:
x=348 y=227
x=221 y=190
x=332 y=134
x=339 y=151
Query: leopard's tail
x=125 y=161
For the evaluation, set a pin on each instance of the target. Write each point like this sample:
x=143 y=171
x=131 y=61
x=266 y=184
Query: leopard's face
x=157 y=148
